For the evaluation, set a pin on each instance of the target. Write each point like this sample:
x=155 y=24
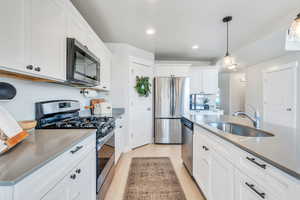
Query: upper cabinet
x=48 y=40
x=33 y=39
x=203 y=80
x=14 y=35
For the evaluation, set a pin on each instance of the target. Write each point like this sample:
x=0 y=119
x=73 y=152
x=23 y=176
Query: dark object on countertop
x=7 y=91
x=206 y=107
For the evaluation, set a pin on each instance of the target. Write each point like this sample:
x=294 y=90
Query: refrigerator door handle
x=173 y=97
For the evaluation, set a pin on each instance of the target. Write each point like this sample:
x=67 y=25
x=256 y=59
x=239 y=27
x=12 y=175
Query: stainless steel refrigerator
x=171 y=100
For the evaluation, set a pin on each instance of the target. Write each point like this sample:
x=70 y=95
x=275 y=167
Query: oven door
x=83 y=67
x=105 y=157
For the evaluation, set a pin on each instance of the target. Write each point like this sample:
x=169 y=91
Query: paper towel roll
x=90 y=93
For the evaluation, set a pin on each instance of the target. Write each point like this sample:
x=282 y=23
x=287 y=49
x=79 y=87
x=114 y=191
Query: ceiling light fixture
x=195 y=47
x=228 y=61
x=150 y=31
x=294 y=30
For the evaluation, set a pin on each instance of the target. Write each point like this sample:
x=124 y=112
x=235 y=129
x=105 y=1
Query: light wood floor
x=116 y=190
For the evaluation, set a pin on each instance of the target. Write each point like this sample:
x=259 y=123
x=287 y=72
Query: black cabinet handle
x=76 y=149
x=252 y=187
x=78 y=171
x=205 y=148
x=264 y=166
x=104 y=86
x=120 y=126
x=29 y=67
x=38 y=69
x=73 y=176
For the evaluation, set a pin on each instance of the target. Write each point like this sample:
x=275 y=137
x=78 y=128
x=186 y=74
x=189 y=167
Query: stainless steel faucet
x=255 y=119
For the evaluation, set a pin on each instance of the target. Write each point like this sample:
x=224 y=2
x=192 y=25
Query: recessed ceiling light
x=150 y=31
x=195 y=47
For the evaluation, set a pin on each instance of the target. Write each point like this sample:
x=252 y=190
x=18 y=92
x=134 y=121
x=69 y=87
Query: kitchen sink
x=239 y=130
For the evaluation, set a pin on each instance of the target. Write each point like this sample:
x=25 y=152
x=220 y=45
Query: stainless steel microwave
x=83 y=67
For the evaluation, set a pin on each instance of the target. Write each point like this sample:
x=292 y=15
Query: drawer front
x=250 y=188
x=49 y=175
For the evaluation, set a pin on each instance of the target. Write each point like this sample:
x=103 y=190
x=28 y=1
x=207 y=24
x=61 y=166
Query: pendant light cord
x=227 y=53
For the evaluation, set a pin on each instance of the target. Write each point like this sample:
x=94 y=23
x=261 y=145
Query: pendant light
x=228 y=61
x=294 y=30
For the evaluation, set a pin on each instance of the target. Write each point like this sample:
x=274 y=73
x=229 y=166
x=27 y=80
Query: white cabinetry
x=33 y=37
x=14 y=35
x=224 y=171
x=119 y=138
x=213 y=173
x=48 y=40
x=70 y=176
x=203 y=80
x=77 y=185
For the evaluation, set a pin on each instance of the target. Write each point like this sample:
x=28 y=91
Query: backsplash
x=28 y=92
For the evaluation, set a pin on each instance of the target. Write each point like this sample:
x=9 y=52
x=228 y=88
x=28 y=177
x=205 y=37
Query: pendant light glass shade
x=228 y=61
x=294 y=30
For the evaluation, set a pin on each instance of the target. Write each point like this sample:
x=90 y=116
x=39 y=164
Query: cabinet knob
x=205 y=148
x=73 y=176
x=29 y=67
x=104 y=87
x=78 y=171
x=38 y=69
x=120 y=126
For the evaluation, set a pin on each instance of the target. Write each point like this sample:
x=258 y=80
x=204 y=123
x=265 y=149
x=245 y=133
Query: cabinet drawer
x=249 y=188
x=49 y=175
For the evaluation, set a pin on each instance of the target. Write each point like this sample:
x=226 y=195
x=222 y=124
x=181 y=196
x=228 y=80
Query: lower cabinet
x=119 y=138
x=222 y=172
x=79 y=184
x=221 y=178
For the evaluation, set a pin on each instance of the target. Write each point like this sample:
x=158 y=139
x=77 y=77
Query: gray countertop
x=37 y=150
x=282 y=151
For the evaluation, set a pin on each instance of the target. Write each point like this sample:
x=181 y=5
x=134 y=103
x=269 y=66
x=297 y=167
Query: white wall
x=22 y=106
x=120 y=80
x=254 y=93
x=232 y=92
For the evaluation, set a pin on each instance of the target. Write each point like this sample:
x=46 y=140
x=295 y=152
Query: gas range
x=64 y=114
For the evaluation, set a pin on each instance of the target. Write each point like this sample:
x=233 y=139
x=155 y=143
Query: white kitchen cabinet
x=221 y=177
x=48 y=38
x=223 y=171
x=78 y=184
x=202 y=162
x=119 y=138
x=210 y=81
x=14 y=35
x=203 y=80
x=61 y=191
x=105 y=69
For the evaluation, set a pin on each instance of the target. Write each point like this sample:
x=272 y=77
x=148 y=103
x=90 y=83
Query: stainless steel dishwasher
x=187 y=144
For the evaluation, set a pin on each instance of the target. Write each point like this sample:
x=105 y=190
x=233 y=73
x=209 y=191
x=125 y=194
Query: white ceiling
x=180 y=24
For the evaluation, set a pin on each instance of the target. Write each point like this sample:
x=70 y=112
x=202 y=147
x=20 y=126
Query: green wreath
x=143 y=86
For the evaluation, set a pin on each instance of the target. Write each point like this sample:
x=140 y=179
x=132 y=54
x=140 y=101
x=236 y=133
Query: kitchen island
x=230 y=166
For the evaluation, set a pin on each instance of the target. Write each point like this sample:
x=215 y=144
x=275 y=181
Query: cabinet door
x=60 y=192
x=84 y=183
x=196 y=77
x=48 y=38
x=14 y=35
x=119 y=138
x=221 y=178
x=202 y=164
x=106 y=70
x=210 y=81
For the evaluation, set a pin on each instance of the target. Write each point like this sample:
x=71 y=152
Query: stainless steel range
x=64 y=114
